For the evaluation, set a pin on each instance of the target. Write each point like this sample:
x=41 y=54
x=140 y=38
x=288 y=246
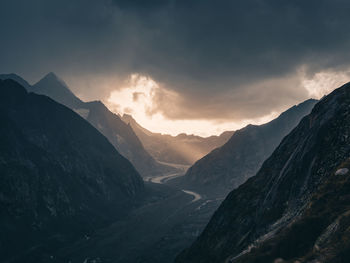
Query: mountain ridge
x=182 y=149
x=228 y=166
x=60 y=178
x=285 y=212
x=117 y=132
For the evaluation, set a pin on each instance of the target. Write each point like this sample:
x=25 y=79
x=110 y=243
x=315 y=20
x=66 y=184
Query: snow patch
x=195 y=195
x=342 y=171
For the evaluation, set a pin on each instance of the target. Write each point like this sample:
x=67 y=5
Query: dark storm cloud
x=226 y=59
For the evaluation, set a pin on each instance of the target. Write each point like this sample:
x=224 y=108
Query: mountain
x=296 y=208
x=109 y=124
x=181 y=149
x=60 y=178
x=55 y=88
x=122 y=137
x=16 y=78
x=227 y=167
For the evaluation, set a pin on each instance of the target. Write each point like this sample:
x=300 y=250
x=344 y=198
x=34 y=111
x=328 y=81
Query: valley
x=163 y=179
x=174 y=131
x=168 y=220
x=176 y=200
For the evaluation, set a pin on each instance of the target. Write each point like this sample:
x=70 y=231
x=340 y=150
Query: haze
x=198 y=67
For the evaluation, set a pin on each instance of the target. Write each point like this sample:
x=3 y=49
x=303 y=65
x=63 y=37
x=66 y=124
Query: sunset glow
x=137 y=98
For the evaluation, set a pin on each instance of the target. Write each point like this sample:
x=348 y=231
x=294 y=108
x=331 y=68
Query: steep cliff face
x=297 y=206
x=59 y=177
x=227 y=167
x=109 y=124
x=122 y=136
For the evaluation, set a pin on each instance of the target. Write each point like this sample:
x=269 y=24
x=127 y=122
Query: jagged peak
x=52 y=77
x=53 y=86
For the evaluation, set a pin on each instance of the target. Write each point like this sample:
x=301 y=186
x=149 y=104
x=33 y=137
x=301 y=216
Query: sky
x=193 y=66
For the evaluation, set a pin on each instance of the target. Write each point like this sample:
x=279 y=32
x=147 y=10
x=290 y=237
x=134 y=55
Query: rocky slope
x=123 y=138
x=52 y=86
x=297 y=207
x=109 y=124
x=181 y=149
x=227 y=167
x=60 y=178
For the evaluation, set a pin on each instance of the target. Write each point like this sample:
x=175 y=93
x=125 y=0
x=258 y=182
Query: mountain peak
x=296 y=204
x=52 y=77
x=53 y=86
x=230 y=165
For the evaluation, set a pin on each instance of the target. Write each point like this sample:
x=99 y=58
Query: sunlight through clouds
x=136 y=97
x=146 y=100
x=139 y=97
x=325 y=82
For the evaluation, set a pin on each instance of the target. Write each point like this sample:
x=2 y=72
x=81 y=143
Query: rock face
x=296 y=209
x=109 y=124
x=227 y=167
x=122 y=136
x=59 y=177
x=57 y=89
x=181 y=149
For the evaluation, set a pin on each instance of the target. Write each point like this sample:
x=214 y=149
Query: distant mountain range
x=109 y=124
x=181 y=149
x=297 y=207
x=60 y=178
x=66 y=193
x=230 y=165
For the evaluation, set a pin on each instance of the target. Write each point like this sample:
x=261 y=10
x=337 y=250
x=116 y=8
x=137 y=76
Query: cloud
x=137 y=95
x=218 y=60
x=324 y=82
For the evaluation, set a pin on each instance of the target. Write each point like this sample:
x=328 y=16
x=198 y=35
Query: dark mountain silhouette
x=60 y=178
x=109 y=124
x=54 y=87
x=181 y=149
x=296 y=209
x=16 y=78
x=227 y=167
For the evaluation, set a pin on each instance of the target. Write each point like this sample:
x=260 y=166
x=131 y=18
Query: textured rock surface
x=59 y=177
x=227 y=167
x=295 y=208
x=109 y=124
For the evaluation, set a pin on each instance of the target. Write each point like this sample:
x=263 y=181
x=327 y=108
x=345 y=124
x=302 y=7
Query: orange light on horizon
x=137 y=98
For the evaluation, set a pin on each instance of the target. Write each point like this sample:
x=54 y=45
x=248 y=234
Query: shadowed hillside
x=227 y=167
x=109 y=124
x=60 y=178
x=296 y=209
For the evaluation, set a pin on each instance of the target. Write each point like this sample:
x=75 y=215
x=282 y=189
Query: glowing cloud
x=324 y=82
x=135 y=97
x=139 y=96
